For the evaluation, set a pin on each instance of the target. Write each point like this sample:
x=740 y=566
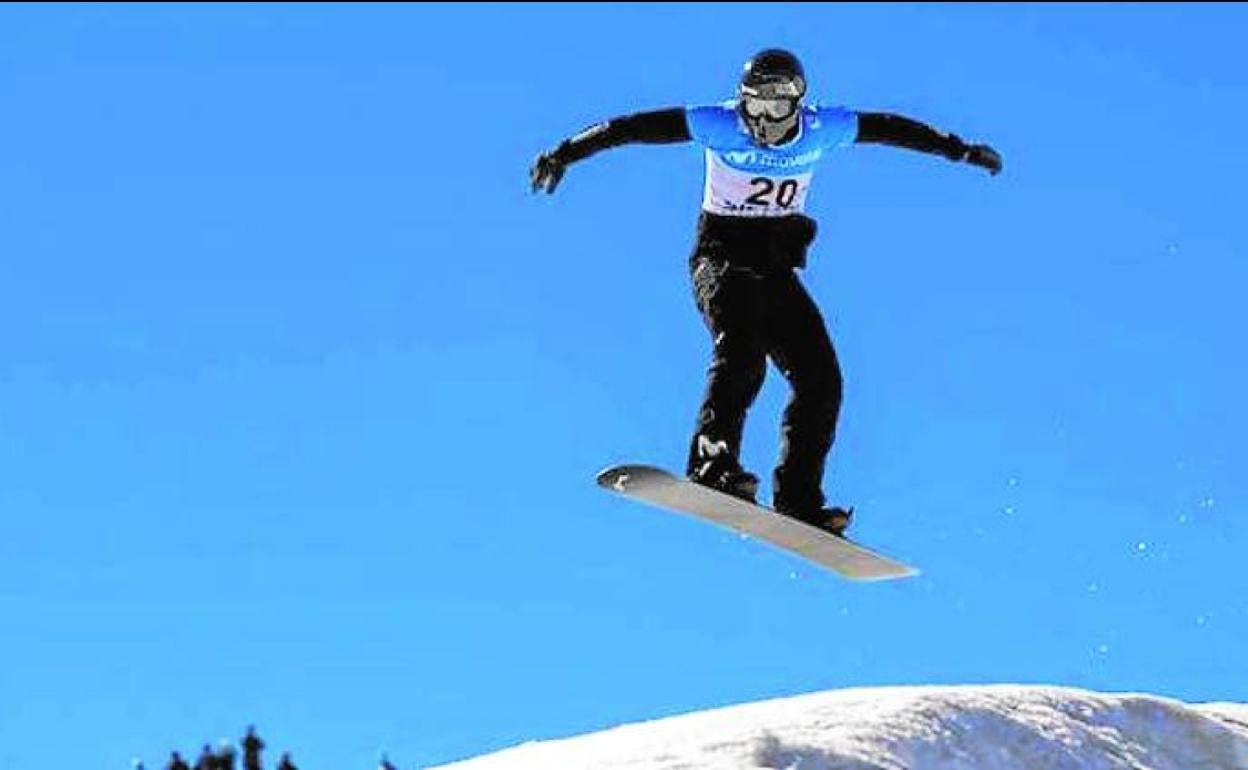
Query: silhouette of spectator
x=286 y=764
x=225 y=755
x=207 y=760
x=252 y=746
x=137 y=764
x=176 y=762
x=385 y=763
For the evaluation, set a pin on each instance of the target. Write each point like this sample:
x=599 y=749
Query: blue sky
x=302 y=391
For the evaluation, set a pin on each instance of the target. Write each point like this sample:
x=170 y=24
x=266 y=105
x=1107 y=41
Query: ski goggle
x=777 y=108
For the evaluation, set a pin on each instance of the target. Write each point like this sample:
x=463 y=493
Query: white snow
x=1001 y=727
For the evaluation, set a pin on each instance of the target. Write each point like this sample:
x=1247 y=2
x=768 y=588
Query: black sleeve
x=658 y=127
x=899 y=131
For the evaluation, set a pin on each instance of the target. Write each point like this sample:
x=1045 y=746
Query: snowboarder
x=752 y=238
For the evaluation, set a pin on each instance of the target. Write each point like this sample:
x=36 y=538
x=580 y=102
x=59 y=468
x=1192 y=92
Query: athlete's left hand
x=985 y=157
x=546 y=172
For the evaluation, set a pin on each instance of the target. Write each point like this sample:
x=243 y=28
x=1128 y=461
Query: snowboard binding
x=833 y=520
x=715 y=467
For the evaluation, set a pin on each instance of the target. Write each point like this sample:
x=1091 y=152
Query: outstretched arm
x=900 y=131
x=658 y=127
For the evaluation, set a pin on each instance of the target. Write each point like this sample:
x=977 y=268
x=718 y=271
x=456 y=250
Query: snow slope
x=1004 y=727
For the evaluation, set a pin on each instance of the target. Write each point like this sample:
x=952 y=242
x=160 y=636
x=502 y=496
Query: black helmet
x=773 y=73
x=770 y=96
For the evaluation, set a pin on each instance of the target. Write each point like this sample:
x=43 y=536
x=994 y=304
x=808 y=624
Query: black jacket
x=669 y=126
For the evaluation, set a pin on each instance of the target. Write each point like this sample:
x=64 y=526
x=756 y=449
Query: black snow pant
x=750 y=297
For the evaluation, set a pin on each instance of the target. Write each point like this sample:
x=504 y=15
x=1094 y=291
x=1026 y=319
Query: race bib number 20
x=740 y=193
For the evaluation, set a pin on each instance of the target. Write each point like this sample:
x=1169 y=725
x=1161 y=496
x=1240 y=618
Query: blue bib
x=746 y=179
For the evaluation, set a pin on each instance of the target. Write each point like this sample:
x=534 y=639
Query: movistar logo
x=764 y=159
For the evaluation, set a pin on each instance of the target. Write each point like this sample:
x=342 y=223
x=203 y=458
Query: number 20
x=785 y=192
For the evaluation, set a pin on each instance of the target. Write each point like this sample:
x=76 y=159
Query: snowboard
x=663 y=489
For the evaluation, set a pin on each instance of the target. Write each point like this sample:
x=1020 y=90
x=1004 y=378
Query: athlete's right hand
x=546 y=172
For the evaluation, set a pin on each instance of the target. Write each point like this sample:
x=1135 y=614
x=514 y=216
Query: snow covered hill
x=1001 y=727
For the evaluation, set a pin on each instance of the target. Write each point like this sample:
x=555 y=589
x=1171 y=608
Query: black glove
x=985 y=157
x=547 y=171
x=976 y=154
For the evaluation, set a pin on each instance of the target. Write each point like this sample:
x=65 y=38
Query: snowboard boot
x=717 y=468
x=834 y=519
